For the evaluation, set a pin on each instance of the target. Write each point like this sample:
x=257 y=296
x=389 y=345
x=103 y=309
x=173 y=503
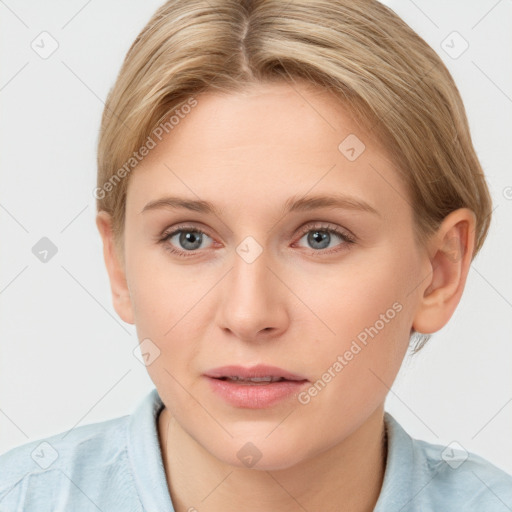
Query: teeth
x=255 y=379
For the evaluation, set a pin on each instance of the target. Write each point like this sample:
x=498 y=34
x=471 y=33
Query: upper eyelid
x=305 y=228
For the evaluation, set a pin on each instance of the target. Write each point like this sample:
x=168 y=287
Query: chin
x=258 y=454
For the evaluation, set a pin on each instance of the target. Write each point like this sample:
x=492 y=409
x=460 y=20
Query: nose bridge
x=251 y=300
x=250 y=274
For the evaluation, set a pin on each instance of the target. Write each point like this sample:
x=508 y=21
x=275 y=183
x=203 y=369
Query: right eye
x=188 y=239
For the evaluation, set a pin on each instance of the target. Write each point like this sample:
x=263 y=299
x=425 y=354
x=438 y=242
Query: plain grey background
x=66 y=357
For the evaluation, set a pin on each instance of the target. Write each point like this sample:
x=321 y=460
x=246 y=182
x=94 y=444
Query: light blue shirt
x=116 y=466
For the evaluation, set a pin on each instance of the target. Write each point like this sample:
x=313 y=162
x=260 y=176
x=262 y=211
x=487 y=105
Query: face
x=325 y=292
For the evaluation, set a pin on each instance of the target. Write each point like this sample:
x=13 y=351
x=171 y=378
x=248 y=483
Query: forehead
x=266 y=144
x=295 y=115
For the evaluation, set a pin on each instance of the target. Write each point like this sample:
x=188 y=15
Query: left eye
x=321 y=237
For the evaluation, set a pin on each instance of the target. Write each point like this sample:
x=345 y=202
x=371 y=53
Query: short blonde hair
x=385 y=74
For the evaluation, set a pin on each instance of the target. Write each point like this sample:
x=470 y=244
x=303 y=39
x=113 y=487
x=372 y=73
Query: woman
x=287 y=196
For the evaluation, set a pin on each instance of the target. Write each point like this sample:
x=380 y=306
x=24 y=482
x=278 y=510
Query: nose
x=252 y=305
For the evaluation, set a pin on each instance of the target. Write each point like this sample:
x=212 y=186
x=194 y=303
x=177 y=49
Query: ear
x=450 y=253
x=115 y=268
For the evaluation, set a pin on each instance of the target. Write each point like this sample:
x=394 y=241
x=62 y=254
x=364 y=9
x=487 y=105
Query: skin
x=295 y=306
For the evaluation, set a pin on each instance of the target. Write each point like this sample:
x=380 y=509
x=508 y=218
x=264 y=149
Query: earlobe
x=115 y=268
x=450 y=252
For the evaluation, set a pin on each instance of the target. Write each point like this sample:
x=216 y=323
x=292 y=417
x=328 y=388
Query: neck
x=347 y=477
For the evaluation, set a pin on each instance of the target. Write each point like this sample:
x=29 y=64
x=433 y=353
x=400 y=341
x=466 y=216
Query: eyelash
x=348 y=239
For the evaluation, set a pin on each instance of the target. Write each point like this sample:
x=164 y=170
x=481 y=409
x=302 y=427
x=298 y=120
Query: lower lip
x=255 y=396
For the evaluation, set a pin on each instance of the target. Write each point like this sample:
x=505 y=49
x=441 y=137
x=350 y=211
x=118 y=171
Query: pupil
x=190 y=237
x=319 y=237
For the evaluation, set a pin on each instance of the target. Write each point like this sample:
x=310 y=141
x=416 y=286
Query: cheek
x=160 y=292
x=365 y=310
x=168 y=299
x=353 y=295
x=355 y=368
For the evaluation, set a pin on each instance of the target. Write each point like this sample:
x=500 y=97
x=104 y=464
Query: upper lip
x=260 y=370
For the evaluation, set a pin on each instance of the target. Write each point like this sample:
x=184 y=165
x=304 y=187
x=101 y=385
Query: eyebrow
x=293 y=204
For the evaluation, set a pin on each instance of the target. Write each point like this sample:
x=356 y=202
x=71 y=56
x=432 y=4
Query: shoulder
x=430 y=477
x=464 y=477
x=86 y=453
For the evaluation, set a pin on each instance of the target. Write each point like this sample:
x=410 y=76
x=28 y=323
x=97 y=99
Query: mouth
x=257 y=387
x=254 y=380
x=260 y=374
